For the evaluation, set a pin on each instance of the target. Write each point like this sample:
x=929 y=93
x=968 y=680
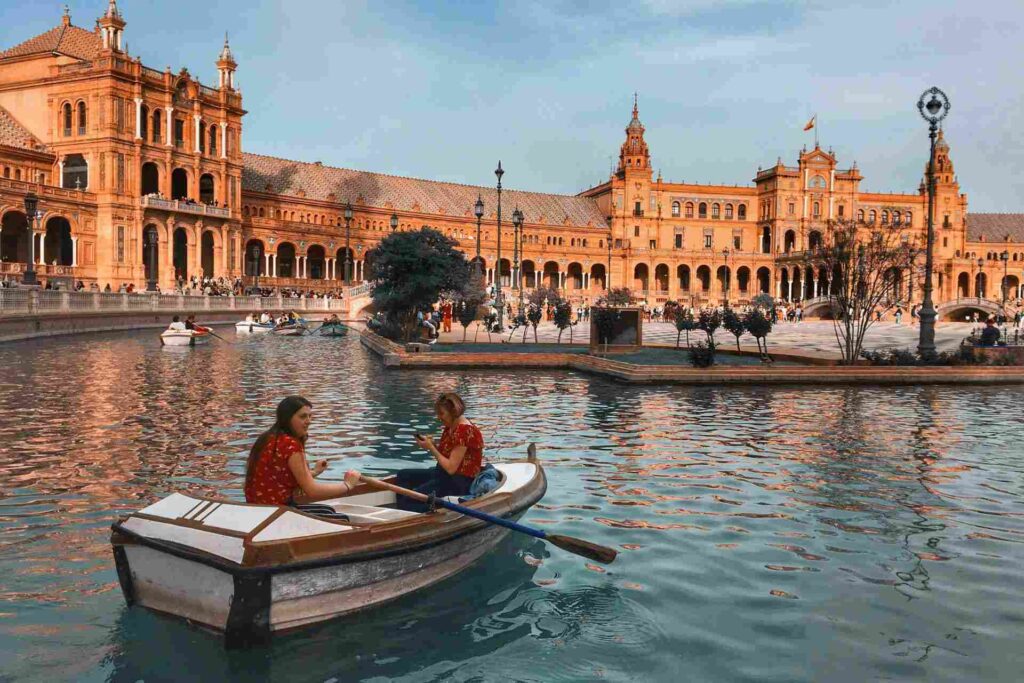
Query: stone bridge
x=954 y=310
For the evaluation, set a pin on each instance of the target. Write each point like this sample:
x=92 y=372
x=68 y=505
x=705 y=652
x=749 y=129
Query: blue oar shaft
x=507 y=523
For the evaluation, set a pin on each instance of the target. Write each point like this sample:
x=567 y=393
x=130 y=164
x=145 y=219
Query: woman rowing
x=277 y=472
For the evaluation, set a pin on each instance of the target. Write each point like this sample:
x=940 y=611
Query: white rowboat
x=184 y=337
x=246 y=327
x=252 y=570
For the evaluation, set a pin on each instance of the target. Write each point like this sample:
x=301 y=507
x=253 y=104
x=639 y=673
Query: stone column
x=170 y=126
x=198 y=125
x=60 y=172
x=223 y=140
x=266 y=264
x=42 y=249
x=74 y=251
x=138 y=118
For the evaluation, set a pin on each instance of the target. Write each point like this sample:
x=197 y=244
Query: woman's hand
x=319 y=467
x=352 y=478
x=424 y=441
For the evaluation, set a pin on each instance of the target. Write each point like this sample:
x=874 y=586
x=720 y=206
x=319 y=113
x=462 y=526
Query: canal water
x=766 y=534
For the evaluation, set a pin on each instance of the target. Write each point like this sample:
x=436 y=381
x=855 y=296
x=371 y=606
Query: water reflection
x=874 y=532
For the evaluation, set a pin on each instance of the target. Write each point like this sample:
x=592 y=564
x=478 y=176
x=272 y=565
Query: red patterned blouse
x=272 y=483
x=469 y=436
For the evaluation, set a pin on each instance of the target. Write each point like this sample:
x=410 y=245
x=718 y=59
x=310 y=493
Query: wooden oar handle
x=380 y=484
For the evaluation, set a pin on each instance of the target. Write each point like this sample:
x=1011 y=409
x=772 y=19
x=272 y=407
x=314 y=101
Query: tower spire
x=226 y=66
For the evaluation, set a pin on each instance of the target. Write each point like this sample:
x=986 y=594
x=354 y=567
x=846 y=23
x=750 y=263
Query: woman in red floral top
x=277 y=472
x=459 y=455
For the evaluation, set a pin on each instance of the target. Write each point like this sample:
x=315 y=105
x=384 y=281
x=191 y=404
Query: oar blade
x=578 y=546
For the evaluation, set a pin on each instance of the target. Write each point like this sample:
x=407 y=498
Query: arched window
x=910 y=218
x=144 y=118
x=689 y=209
x=81 y=118
x=157 y=125
x=206 y=188
x=873 y=216
x=716 y=210
x=213 y=140
x=68 y=119
x=702 y=210
x=860 y=215
x=817 y=209
x=896 y=218
x=675 y=209
x=76 y=173
x=728 y=211
x=741 y=212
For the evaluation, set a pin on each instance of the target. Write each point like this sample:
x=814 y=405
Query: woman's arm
x=311 y=489
x=450 y=464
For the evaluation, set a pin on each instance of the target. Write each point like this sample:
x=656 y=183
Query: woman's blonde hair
x=451 y=403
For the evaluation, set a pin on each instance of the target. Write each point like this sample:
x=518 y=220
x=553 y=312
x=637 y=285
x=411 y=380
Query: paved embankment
x=394 y=355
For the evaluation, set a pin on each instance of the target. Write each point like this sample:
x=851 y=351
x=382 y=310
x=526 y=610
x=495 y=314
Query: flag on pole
x=810 y=124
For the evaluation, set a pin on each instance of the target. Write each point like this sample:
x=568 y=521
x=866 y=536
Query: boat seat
x=367 y=514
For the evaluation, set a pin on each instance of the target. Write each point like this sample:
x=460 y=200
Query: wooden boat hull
x=290 y=331
x=183 y=338
x=333 y=331
x=252 y=328
x=256 y=580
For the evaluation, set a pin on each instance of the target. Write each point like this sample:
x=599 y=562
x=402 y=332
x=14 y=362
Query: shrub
x=702 y=355
x=734 y=324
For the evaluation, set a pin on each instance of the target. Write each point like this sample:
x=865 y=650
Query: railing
x=153 y=73
x=44 y=190
x=10 y=268
x=29 y=301
x=208 y=91
x=184 y=207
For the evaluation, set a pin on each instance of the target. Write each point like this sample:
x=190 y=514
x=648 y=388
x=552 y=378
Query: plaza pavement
x=811 y=335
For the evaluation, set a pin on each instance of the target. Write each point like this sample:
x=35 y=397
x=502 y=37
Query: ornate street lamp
x=255 y=253
x=478 y=211
x=149 y=241
x=728 y=279
x=517 y=241
x=348 y=239
x=497 y=279
x=1005 y=258
x=32 y=214
x=394 y=222
x=980 y=291
x=934 y=110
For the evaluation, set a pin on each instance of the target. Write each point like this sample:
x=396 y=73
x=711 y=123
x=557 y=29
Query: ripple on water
x=766 y=533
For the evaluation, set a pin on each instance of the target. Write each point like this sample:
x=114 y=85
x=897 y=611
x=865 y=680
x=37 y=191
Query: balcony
x=184 y=206
x=638 y=213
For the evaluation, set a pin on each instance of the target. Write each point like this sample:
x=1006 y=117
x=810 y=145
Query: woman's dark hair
x=286 y=410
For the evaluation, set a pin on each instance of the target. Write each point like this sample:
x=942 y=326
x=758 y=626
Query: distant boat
x=252 y=570
x=251 y=327
x=184 y=337
x=333 y=330
x=290 y=330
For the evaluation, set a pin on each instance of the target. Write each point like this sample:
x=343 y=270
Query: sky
x=444 y=90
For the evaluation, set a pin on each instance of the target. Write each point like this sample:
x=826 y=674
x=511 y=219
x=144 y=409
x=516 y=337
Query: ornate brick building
x=123 y=156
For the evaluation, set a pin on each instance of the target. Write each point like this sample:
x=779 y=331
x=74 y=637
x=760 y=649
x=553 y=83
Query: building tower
x=226 y=66
x=634 y=155
x=112 y=28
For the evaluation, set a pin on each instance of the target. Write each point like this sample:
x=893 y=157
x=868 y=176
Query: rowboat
x=294 y=330
x=249 y=327
x=249 y=571
x=184 y=337
x=333 y=330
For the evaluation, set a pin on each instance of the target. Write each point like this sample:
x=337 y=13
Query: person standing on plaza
x=913 y=315
x=898 y=315
x=446 y=316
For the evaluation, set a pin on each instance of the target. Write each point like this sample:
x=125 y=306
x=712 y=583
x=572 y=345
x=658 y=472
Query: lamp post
x=979 y=292
x=517 y=241
x=933 y=111
x=32 y=214
x=394 y=222
x=608 y=273
x=478 y=211
x=149 y=239
x=255 y=253
x=728 y=279
x=1005 y=258
x=348 y=239
x=497 y=277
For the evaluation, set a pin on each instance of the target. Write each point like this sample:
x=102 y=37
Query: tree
x=732 y=322
x=764 y=301
x=539 y=298
x=412 y=270
x=469 y=299
x=759 y=325
x=862 y=261
x=605 y=320
x=684 y=323
x=709 y=321
x=563 y=318
x=620 y=296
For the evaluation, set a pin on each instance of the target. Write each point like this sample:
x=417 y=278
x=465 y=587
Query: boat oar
x=577 y=546
x=210 y=331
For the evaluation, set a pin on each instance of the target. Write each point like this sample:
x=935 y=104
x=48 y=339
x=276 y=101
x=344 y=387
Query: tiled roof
x=13 y=134
x=994 y=227
x=281 y=176
x=67 y=40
